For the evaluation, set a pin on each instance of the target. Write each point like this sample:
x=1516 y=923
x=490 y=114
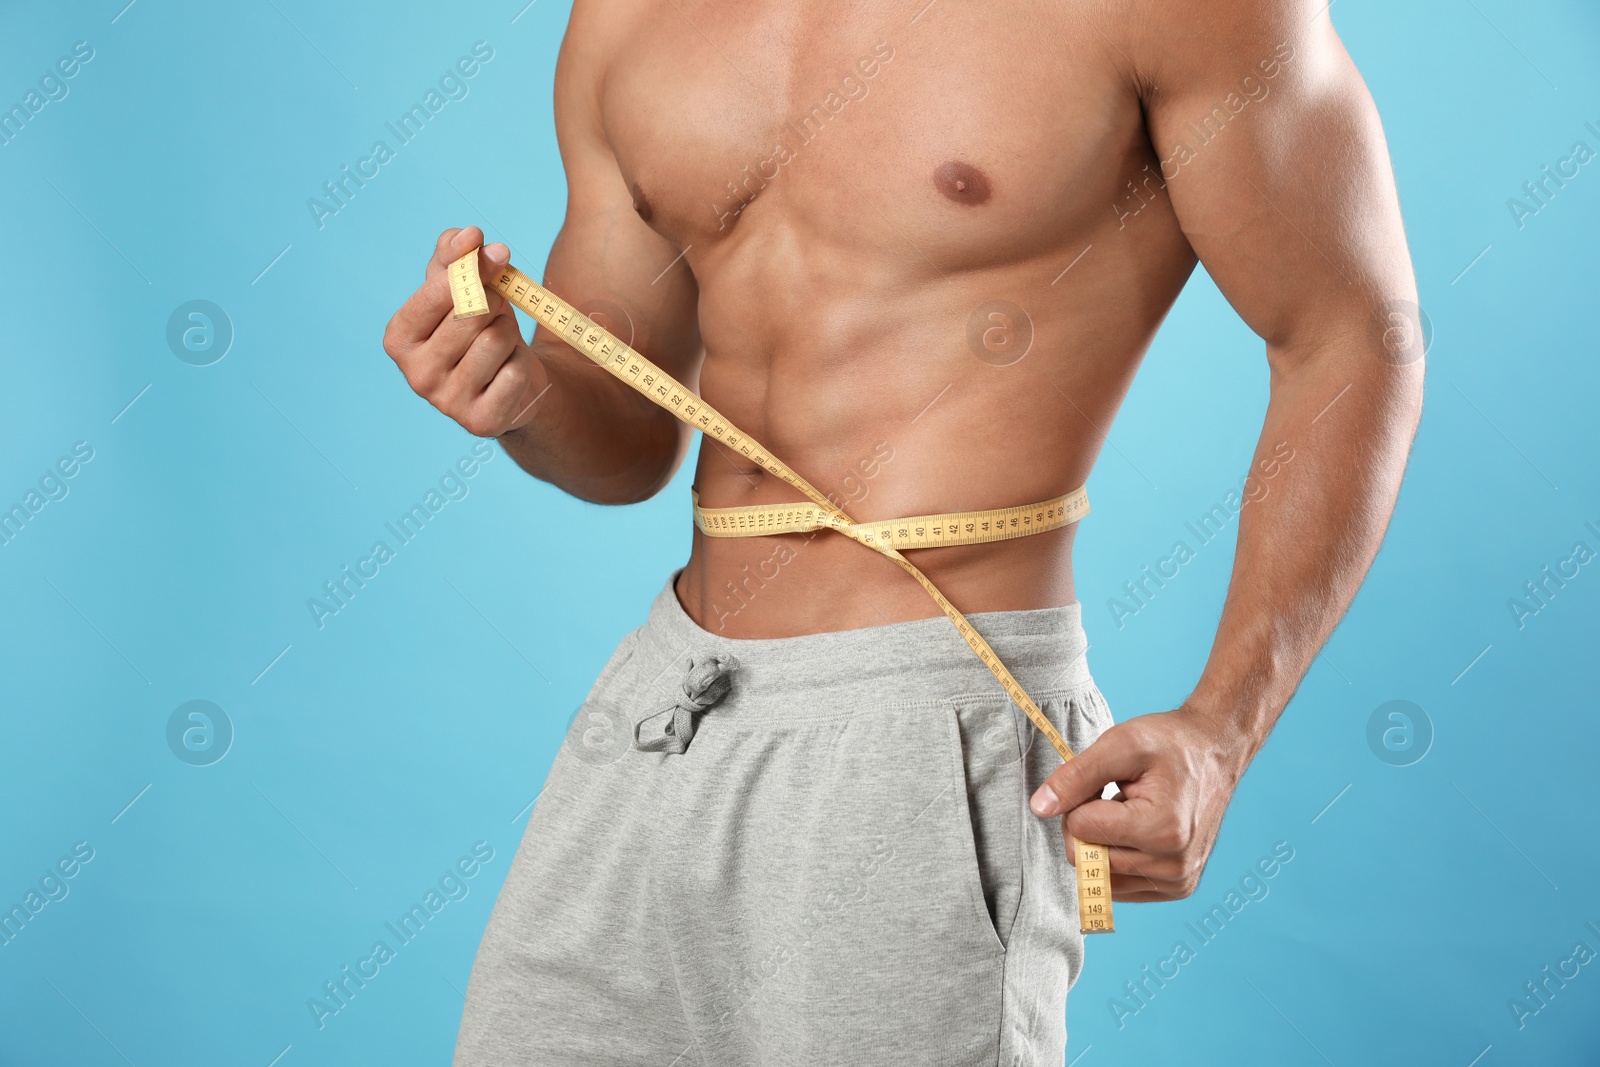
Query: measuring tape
x=886 y=537
x=920 y=531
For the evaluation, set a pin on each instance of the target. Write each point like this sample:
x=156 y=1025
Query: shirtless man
x=927 y=243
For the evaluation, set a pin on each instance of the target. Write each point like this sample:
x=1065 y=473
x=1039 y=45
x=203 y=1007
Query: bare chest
x=975 y=136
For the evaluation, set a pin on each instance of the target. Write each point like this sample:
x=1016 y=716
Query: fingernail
x=497 y=253
x=1045 y=801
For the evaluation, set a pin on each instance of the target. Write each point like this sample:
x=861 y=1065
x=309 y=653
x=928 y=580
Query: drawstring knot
x=707 y=680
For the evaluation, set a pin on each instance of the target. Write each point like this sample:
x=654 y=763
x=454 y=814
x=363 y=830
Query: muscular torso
x=880 y=215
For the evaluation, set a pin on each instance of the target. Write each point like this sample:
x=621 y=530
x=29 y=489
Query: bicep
x=605 y=260
x=1279 y=174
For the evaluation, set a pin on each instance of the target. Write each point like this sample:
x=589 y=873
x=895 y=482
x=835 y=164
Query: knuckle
x=1123 y=737
x=476 y=423
x=493 y=343
x=1168 y=837
x=423 y=378
x=1141 y=739
x=393 y=343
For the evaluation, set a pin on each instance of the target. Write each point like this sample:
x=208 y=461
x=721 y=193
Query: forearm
x=1308 y=537
x=591 y=435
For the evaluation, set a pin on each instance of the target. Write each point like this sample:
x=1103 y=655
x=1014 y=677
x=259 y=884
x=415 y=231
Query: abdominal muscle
x=886 y=435
x=874 y=377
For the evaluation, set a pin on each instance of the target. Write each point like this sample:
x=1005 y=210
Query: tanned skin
x=826 y=309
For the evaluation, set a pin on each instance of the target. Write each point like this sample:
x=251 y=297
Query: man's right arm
x=562 y=418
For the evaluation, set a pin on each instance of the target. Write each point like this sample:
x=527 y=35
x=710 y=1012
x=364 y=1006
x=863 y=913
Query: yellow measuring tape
x=887 y=537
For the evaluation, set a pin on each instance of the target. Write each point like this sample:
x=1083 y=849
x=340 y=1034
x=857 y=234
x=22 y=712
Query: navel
x=961 y=182
x=641 y=203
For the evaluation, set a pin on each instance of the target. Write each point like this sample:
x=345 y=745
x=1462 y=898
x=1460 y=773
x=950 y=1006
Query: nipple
x=961 y=182
x=641 y=203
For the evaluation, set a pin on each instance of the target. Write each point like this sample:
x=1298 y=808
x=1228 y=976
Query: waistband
x=919 y=659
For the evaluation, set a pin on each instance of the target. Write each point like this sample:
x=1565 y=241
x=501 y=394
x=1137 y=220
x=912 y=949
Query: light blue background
x=370 y=754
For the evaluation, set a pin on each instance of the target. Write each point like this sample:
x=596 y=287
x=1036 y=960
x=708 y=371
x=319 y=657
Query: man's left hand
x=1175 y=775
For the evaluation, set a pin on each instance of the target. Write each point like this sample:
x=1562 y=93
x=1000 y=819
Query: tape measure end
x=472 y=314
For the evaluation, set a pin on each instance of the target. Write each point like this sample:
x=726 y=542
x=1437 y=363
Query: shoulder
x=597 y=31
x=1218 y=41
x=595 y=35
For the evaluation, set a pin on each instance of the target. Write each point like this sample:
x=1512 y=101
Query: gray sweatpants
x=810 y=850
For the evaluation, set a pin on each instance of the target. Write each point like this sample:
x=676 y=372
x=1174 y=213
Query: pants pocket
x=989 y=739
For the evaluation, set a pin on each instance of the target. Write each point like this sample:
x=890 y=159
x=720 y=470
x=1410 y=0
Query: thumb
x=1110 y=758
x=452 y=245
x=496 y=255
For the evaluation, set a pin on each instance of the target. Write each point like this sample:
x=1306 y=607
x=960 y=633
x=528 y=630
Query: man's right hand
x=477 y=371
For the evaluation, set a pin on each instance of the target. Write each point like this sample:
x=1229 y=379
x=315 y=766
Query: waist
x=914 y=659
x=797 y=584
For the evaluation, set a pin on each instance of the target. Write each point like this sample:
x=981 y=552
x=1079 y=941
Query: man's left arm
x=1279 y=175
